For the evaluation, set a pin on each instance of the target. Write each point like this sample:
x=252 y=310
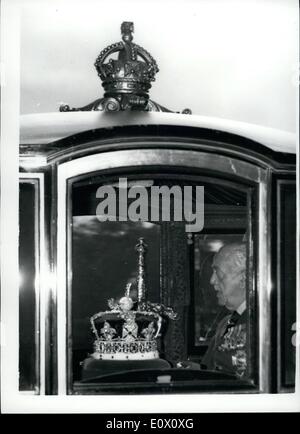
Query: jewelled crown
x=130 y=329
x=131 y=73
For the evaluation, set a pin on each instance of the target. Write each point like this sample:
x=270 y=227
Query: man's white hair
x=234 y=255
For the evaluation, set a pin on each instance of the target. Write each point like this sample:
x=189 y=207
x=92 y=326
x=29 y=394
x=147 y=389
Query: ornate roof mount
x=126 y=79
x=131 y=74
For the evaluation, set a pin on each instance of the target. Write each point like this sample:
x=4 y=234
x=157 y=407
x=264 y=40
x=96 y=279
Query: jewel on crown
x=130 y=330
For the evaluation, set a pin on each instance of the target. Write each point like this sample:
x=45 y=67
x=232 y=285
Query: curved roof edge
x=49 y=127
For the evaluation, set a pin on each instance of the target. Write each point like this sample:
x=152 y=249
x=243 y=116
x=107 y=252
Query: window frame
x=228 y=167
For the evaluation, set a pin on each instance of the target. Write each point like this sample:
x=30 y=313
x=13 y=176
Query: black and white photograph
x=149 y=208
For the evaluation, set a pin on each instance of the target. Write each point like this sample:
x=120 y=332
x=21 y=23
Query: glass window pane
x=27 y=296
x=103 y=262
x=287 y=251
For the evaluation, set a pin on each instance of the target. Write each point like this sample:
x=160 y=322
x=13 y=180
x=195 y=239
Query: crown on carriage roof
x=131 y=73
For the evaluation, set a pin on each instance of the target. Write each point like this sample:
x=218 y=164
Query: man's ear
x=243 y=278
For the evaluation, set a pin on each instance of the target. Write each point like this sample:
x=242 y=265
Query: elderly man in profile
x=227 y=349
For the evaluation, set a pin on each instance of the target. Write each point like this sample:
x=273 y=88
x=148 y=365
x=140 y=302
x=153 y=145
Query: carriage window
x=287 y=262
x=141 y=300
x=28 y=336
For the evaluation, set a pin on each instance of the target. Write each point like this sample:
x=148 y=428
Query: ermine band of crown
x=120 y=350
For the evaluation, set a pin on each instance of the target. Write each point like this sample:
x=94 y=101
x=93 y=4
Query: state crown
x=126 y=331
x=131 y=73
